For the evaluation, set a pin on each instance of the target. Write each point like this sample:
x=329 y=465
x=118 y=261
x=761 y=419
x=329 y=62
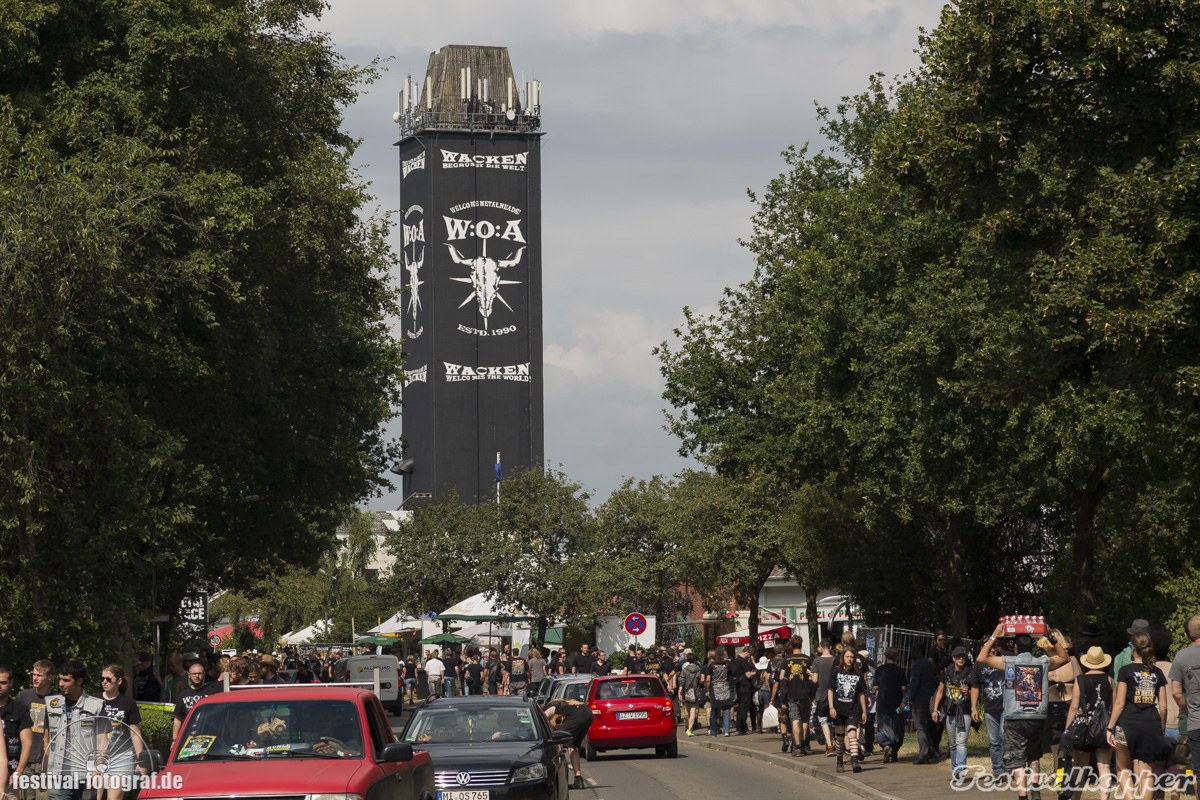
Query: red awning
x=743 y=637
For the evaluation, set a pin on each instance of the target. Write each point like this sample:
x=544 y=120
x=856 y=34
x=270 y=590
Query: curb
x=788 y=762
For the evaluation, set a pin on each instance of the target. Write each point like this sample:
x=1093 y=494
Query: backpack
x=721 y=688
x=691 y=682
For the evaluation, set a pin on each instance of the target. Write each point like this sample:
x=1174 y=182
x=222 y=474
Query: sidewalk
x=877 y=781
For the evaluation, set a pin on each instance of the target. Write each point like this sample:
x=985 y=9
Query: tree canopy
x=196 y=360
x=972 y=325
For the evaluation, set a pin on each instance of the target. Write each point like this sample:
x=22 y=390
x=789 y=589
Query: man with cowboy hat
x=270 y=669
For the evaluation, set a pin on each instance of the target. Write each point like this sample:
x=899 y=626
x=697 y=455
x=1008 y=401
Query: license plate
x=466 y=794
x=633 y=715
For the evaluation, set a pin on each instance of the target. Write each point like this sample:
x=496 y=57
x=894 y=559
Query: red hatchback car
x=630 y=711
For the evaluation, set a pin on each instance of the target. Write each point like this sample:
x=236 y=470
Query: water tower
x=470 y=199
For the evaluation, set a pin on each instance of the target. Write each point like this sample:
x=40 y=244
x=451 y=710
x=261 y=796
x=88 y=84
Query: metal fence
x=903 y=639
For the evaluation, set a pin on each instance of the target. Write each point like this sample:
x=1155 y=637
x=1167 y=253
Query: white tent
x=484 y=630
x=478 y=608
x=305 y=635
x=397 y=623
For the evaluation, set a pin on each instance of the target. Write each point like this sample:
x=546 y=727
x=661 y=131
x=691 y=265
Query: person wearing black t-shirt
x=453 y=667
x=987 y=683
x=792 y=695
x=954 y=707
x=516 y=676
x=1139 y=716
x=890 y=684
x=196 y=690
x=847 y=707
x=474 y=676
x=124 y=743
x=602 y=666
x=635 y=664
x=12 y=720
x=582 y=664
x=745 y=674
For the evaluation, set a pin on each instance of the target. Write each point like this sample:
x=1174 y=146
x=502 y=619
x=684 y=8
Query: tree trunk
x=1084 y=503
x=541 y=634
x=814 y=625
x=754 y=622
x=956 y=556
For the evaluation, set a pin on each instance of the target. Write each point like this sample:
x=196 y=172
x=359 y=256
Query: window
x=622 y=689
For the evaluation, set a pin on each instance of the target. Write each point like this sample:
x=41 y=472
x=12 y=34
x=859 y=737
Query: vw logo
x=463 y=778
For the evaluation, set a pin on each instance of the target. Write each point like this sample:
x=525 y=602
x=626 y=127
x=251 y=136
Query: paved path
x=698 y=774
x=878 y=781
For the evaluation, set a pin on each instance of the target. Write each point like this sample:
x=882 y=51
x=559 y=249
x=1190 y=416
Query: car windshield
x=573 y=691
x=629 y=687
x=462 y=725
x=309 y=728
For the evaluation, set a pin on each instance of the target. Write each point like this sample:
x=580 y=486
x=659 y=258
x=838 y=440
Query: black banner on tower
x=471 y=216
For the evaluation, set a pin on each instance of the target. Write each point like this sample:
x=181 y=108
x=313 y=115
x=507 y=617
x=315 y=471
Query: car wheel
x=589 y=752
x=673 y=750
x=660 y=750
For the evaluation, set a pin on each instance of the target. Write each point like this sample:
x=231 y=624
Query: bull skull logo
x=485 y=279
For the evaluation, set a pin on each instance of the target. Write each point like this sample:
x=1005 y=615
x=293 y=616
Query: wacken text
x=511 y=372
x=513 y=161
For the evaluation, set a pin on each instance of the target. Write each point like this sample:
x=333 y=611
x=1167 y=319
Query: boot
x=786 y=742
x=841 y=765
x=855 y=764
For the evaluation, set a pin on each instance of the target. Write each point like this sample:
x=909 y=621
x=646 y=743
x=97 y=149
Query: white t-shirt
x=434 y=668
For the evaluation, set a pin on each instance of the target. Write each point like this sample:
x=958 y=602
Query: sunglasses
x=106 y=679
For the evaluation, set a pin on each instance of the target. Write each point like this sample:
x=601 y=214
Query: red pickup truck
x=328 y=741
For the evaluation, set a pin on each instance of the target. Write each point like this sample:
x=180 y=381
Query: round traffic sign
x=635 y=624
x=214 y=640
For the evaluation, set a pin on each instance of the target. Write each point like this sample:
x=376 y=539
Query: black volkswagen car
x=491 y=748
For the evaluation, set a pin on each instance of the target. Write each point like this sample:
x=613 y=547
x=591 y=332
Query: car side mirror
x=151 y=760
x=397 y=751
x=561 y=737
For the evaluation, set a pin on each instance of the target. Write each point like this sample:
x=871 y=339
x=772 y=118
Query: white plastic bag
x=770 y=718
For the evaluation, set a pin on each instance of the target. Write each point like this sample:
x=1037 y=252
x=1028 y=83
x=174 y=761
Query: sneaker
x=726 y=733
x=689 y=733
x=578 y=784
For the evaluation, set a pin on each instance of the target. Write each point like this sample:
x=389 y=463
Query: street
x=698 y=772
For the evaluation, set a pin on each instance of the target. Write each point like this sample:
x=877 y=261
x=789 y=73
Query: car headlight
x=533 y=772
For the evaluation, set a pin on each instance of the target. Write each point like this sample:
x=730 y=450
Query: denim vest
x=1025 y=682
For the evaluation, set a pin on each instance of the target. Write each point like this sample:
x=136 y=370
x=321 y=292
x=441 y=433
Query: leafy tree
x=637 y=558
x=541 y=551
x=192 y=315
x=728 y=540
x=438 y=556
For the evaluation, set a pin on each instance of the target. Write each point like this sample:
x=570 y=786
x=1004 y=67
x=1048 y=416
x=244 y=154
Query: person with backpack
x=691 y=689
x=792 y=695
x=719 y=686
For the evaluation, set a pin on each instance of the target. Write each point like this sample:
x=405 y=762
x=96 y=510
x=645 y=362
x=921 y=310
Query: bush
x=156 y=727
x=617 y=659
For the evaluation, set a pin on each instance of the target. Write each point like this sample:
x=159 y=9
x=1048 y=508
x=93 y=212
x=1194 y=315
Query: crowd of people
x=1121 y=721
x=1123 y=718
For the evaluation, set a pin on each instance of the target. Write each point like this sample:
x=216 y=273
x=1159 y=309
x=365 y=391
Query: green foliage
x=971 y=338
x=156 y=728
x=193 y=318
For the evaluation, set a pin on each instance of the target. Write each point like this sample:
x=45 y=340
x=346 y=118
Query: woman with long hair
x=847 y=708
x=718 y=686
x=1093 y=695
x=1139 y=717
x=123 y=743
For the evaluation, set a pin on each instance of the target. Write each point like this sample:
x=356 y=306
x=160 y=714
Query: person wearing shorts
x=792 y=695
x=1026 y=680
x=575 y=718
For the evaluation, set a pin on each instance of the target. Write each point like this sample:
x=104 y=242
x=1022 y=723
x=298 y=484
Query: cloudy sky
x=659 y=115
